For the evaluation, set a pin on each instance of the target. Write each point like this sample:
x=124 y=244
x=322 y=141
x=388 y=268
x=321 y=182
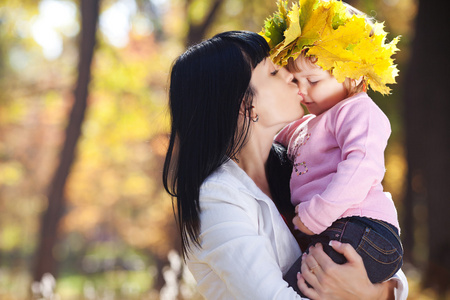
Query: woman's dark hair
x=208 y=84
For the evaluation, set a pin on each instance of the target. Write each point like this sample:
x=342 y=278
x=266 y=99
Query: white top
x=246 y=246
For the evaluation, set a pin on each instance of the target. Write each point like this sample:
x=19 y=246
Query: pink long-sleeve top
x=339 y=163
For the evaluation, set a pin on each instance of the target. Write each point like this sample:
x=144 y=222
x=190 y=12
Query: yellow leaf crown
x=347 y=44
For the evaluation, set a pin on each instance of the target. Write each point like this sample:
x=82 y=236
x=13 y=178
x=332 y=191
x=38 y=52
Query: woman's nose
x=288 y=75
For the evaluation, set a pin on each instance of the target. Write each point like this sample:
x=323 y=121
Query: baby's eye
x=274 y=73
x=313 y=82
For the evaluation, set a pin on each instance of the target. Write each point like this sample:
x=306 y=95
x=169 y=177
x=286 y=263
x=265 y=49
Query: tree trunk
x=196 y=32
x=45 y=259
x=427 y=106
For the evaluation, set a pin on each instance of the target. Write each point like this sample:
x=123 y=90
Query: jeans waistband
x=377 y=225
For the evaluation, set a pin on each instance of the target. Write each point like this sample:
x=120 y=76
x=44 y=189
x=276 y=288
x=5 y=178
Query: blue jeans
x=376 y=241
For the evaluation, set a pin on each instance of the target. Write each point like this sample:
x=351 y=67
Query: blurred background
x=83 y=133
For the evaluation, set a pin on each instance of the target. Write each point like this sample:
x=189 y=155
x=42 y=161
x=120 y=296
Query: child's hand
x=299 y=224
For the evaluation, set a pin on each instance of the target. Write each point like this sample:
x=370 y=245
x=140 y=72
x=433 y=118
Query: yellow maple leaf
x=291 y=34
x=306 y=6
x=337 y=44
x=315 y=23
x=319 y=23
x=294 y=30
x=377 y=61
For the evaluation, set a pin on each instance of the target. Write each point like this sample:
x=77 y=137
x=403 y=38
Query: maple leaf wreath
x=343 y=40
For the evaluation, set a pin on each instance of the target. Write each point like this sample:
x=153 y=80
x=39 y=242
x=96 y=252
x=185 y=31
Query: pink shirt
x=339 y=163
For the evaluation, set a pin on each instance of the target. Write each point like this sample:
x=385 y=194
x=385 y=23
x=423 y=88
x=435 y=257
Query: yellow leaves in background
x=10 y=173
x=137 y=185
x=12 y=112
x=198 y=10
x=83 y=218
x=17 y=220
x=116 y=181
x=10 y=237
x=151 y=226
x=160 y=144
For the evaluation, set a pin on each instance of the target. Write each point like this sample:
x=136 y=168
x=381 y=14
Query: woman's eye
x=313 y=82
x=274 y=73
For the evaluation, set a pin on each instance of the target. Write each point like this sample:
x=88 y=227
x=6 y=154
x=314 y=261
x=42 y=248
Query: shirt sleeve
x=285 y=134
x=361 y=130
x=401 y=292
x=237 y=254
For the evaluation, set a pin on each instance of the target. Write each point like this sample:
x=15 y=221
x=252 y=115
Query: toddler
x=337 y=151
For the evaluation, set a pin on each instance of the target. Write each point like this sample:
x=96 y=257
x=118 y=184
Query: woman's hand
x=333 y=281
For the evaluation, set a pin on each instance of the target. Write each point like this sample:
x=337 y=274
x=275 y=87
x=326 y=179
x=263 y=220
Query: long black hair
x=208 y=85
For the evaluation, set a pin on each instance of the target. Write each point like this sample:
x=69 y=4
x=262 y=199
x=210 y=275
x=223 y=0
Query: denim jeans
x=376 y=241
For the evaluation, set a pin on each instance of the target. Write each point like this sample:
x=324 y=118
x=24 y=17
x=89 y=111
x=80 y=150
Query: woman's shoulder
x=227 y=183
x=226 y=175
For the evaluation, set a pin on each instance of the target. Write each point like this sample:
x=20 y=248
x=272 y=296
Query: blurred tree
x=426 y=102
x=45 y=259
x=199 y=25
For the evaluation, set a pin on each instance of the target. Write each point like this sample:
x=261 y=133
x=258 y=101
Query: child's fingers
x=297 y=222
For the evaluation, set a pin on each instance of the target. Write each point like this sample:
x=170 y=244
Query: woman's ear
x=252 y=114
x=249 y=112
x=242 y=110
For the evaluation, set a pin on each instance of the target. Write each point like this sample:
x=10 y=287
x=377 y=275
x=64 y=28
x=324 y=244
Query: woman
x=227 y=102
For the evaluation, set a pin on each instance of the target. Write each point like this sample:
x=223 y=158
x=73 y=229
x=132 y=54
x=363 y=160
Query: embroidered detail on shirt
x=302 y=164
x=300 y=167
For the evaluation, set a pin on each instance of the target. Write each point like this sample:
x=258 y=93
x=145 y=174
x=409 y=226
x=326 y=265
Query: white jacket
x=246 y=246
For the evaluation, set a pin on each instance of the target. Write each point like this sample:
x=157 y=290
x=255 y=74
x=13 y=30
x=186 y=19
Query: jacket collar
x=248 y=185
x=282 y=238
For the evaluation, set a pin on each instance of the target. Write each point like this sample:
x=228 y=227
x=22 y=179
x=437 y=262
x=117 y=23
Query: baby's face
x=319 y=89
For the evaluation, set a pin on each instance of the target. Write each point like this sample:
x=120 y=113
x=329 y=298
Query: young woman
x=227 y=102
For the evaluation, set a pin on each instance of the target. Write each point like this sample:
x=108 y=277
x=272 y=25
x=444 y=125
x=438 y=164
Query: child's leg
x=376 y=241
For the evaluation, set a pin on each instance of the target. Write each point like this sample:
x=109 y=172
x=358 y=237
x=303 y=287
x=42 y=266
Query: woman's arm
x=348 y=281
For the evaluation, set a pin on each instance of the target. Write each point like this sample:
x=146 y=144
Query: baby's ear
x=357 y=81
